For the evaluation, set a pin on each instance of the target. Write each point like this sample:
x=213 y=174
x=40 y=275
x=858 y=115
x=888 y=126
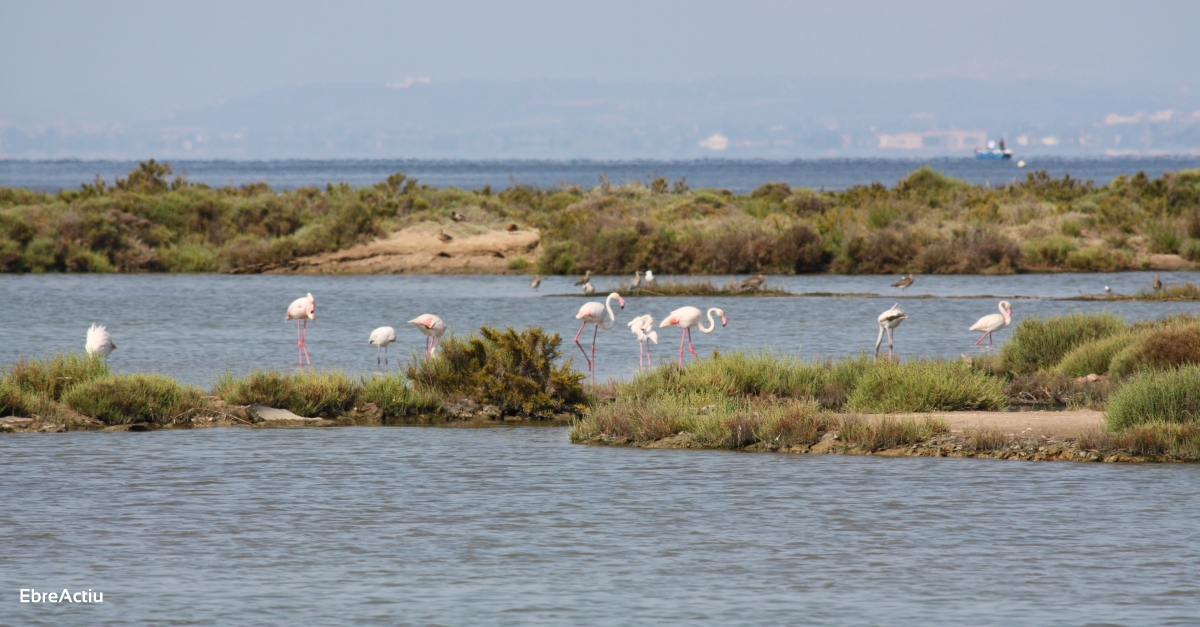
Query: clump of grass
x=1041 y=388
x=124 y=399
x=308 y=394
x=1172 y=396
x=1162 y=348
x=922 y=386
x=1155 y=438
x=1095 y=357
x=50 y=376
x=17 y=402
x=704 y=287
x=397 y=398
x=513 y=370
x=1040 y=344
x=987 y=440
x=884 y=433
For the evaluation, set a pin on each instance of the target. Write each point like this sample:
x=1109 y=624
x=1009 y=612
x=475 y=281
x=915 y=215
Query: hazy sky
x=120 y=60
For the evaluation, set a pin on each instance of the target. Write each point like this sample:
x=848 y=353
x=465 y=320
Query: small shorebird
x=302 y=309
x=1157 y=284
x=888 y=320
x=587 y=276
x=99 y=342
x=994 y=322
x=588 y=288
x=458 y=217
x=433 y=328
x=443 y=236
x=1107 y=289
x=904 y=283
x=537 y=280
x=643 y=329
x=593 y=313
x=753 y=283
x=687 y=317
x=648 y=281
x=510 y=227
x=637 y=279
x=380 y=338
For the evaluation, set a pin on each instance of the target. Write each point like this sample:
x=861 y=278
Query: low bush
x=50 y=376
x=884 y=433
x=308 y=394
x=1162 y=348
x=1094 y=357
x=923 y=386
x=1190 y=249
x=124 y=399
x=1172 y=396
x=397 y=398
x=1040 y=344
x=1179 y=441
x=1058 y=390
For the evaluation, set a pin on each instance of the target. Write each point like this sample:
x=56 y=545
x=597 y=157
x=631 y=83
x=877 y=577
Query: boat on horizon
x=993 y=151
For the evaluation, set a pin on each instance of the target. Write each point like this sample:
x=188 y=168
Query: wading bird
x=441 y=235
x=593 y=313
x=537 y=280
x=302 y=309
x=99 y=342
x=753 y=283
x=588 y=288
x=637 y=279
x=1157 y=284
x=380 y=338
x=433 y=328
x=888 y=320
x=687 y=317
x=587 y=276
x=643 y=329
x=904 y=283
x=993 y=323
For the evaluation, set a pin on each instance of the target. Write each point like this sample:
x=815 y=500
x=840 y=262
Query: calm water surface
x=195 y=327
x=514 y=526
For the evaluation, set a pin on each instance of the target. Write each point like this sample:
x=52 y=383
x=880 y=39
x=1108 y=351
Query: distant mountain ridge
x=729 y=118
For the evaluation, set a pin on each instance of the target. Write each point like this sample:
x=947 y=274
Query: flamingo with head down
x=994 y=322
x=99 y=342
x=889 y=320
x=643 y=329
x=380 y=338
x=433 y=328
x=687 y=317
x=593 y=313
x=302 y=309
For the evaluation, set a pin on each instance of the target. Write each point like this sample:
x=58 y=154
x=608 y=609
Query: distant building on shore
x=933 y=140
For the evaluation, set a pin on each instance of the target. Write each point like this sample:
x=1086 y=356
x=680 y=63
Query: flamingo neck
x=612 y=318
x=712 y=324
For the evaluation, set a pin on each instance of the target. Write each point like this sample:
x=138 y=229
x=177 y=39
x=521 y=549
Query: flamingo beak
x=724 y=321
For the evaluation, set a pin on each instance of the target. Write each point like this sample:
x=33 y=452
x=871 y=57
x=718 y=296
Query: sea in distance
x=738 y=176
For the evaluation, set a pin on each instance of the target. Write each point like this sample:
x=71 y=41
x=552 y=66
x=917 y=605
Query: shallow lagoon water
x=194 y=327
x=514 y=526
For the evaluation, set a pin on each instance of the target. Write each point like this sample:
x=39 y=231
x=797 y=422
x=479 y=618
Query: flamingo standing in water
x=687 y=317
x=433 y=328
x=643 y=329
x=889 y=320
x=380 y=338
x=99 y=342
x=302 y=309
x=593 y=313
x=994 y=322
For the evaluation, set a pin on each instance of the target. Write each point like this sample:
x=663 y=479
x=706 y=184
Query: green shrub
x=1179 y=441
x=1164 y=238
x=1190 y=249
x=17 y=402
x=1038 y=344
x=1097 y=259
x=1047 y=252
x=50 y=376
x=884 y=433
x=1159 y=349
x=190 y=258
x=396 y=398
x=1071 y=228
x=923 y=386
x=512 y=370
x=1094 y=357
x=1171 y=396
x=309 y=394
x=124 y=399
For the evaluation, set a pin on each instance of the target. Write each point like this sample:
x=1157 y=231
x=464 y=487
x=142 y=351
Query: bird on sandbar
x=380 y=338
x=537 y=280
x=992 y=323
x=587 y=276
x=457 y=217
x=753 y=283
x=510 y=227
x=305 y=309
x=1107 y=289
x=888 y=320
x=443 y=236
x=1157 y=284
x=904 y=283
x=99 y=342
x=433 y=327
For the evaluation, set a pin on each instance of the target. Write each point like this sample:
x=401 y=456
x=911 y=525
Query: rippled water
x=514 y=526
x=196 y=326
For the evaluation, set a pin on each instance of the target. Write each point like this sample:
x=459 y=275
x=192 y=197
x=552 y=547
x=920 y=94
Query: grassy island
x=153 y=221
x=1144 y=376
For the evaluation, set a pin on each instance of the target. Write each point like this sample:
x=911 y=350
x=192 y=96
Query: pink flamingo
x=643 y=329
x=687 y=317
x=889 y=320
x=99 y=342
x=992 y=323
x=593 y=313
x=302 y=309
x=433 y=328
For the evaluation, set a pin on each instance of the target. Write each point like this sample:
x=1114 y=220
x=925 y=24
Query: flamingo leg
x=306 y=359
x=692 y=350
x=299 y=343
x=639 y=353
x=980 y=339
x=682 y=336
x=990 y=342
x=581 y=349
x=433 y=346
x=594 y=334
x=889 y=342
